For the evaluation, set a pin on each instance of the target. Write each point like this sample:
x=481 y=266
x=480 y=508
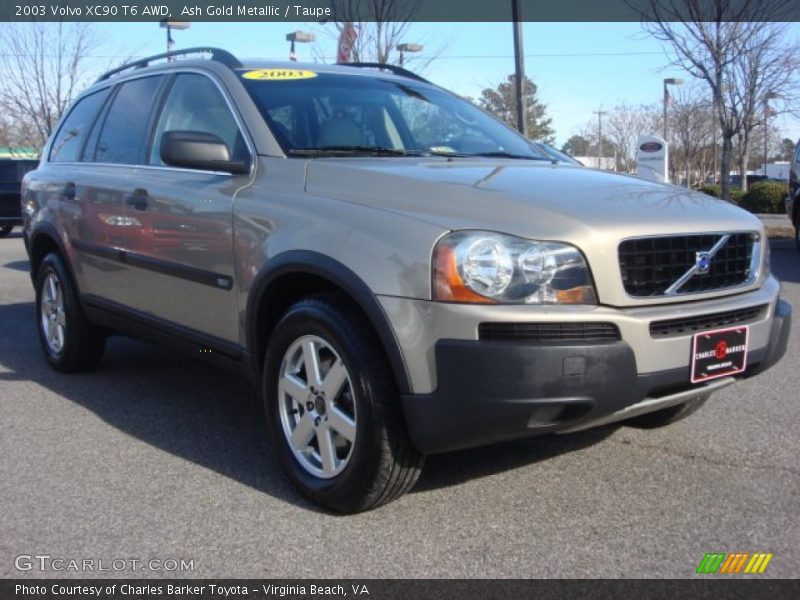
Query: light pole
x=668 y=81
x=599 y=114
x=403 y=48
x=299 y=37
x=169 y=26
x=519 y=67
x=770 y=95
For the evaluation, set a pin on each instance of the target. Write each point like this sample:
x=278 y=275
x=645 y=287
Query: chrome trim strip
x=653 y=404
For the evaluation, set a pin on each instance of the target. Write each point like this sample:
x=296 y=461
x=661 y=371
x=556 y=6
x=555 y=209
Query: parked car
x=398 y=272
x=793 y=199
x=556 y=154
x=12 y=171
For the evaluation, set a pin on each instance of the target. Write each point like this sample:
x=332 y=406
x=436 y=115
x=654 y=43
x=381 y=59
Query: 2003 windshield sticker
x=279 y=74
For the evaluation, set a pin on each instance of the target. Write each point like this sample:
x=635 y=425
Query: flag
x=292 y=53
x=347 y=39
x=769 y=112
x=667 y=97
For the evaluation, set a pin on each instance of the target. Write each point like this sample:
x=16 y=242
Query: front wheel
x=333 y=410
x=69 y=341
x=5 y=230
x=667 y=416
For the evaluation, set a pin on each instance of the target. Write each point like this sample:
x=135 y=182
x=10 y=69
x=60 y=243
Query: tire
x=796 y=220
x=355 y=413
x=667 y=416
x=797 y=234
x=70 y=343
x=5 y=230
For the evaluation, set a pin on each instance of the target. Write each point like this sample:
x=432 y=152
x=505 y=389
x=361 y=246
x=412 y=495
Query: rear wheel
x=5 y=230
x=333 y=410
x=69 y=341
x=667 y=416
x=797 y=231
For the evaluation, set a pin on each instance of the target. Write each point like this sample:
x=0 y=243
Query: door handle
x=137 y=199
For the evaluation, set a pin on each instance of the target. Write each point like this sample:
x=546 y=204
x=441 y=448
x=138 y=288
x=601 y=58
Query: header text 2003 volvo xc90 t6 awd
x=399 y=272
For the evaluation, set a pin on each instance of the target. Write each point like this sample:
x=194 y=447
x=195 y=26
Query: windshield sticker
x=279 y=74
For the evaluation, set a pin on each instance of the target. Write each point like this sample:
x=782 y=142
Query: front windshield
x=330 y=113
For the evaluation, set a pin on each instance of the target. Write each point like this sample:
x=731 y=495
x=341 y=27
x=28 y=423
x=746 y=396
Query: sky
x=578 y=67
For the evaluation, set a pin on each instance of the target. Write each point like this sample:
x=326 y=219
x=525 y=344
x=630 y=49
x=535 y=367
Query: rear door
x=182 y=242
x=96 y=188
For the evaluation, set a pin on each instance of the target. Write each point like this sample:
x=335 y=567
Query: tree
x=786 y=149
x=592 y=149
x=623 y=125
x=577 y=145
x=692 y=131
x=380 y=26
x=502 y=103
x=42 y=67
x=762 y=77
x=706 y=39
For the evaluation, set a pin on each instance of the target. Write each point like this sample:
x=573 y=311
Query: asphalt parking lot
x=157 y=456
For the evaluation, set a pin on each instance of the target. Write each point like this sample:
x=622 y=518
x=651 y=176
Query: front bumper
x=494 y=391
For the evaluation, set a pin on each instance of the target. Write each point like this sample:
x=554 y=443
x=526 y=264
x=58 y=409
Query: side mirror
x=199 y=150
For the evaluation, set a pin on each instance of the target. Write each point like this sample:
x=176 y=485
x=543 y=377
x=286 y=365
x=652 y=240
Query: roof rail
x=220 y=56
x=391 y=68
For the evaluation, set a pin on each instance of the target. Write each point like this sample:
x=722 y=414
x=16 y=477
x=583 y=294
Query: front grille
x=548 y=332
x=651 y=265
x=691 y=325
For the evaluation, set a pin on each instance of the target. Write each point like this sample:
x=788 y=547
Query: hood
x=525 y=198
x=593 y=210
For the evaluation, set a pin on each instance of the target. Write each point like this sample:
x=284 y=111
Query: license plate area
x=719 y=353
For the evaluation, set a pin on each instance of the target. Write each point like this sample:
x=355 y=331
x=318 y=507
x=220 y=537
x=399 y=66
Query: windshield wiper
x=496 y=154
x=352 y=151
x=501 y=154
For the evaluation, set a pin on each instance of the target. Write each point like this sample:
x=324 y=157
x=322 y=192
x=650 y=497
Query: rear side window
x=67 y=144
x=124 y=134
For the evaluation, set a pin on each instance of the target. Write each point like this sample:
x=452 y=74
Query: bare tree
x=707 y=39
x=380 y=26
x=692 y=131
x=623 y=124
x=42 y=67
x=766 y=73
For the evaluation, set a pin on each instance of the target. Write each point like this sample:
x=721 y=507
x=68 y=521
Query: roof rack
x=391 y=68
x=220 y=56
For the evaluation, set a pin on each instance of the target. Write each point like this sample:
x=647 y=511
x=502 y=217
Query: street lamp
x=300 y=37
x=668 y=81
x=770 y=95
x=169 y=25
x=403 y=48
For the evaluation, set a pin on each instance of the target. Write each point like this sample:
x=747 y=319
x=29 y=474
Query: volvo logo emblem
x=703 y=262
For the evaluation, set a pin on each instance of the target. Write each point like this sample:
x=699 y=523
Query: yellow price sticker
x=279 y=74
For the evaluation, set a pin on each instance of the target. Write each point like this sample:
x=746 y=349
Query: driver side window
x=195 y=103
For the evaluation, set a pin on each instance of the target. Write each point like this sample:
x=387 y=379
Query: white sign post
x=651 y=158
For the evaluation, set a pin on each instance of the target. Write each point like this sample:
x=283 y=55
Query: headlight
x=484 y=267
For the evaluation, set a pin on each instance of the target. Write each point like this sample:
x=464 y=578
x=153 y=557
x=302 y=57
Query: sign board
x=652 y=155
